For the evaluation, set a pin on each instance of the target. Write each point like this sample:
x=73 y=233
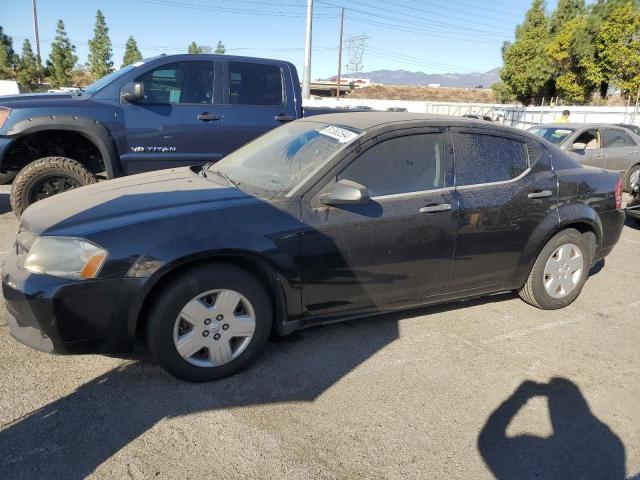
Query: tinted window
x=617 y=139
x=181 y=82
x=487 y=159
x=400 y=165
x=254 y=84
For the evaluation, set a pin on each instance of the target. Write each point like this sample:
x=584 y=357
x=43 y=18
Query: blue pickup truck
x=162 y=112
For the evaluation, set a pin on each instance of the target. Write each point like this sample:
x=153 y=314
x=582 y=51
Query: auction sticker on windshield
x=342 y=135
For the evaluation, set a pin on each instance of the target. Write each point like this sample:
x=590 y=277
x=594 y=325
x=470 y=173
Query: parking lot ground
x=479 y=389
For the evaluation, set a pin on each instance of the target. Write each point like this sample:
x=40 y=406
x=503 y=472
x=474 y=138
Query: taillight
x=618 y=193
x=4 y=114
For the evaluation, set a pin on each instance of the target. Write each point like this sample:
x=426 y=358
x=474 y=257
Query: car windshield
x=553 y=134
x=98 y=84
x=276 y=162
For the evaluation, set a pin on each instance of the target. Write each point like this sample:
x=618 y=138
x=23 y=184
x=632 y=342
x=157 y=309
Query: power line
x=469 y=5
x=268 y=13
x=423 y=33
x=413 y=19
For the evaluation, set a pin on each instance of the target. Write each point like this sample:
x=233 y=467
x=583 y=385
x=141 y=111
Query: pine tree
x=565 y=11
x=131 y=52
x=220 y=48
x=100 y=63
x=7 y=57
x=29 y=69
x=526 y=72
x=194 y=48
x=62 y=58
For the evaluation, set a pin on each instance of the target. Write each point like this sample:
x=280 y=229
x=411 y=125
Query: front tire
x=209 y=323
x=46 y=177
x=560 y=271
x=7 y=177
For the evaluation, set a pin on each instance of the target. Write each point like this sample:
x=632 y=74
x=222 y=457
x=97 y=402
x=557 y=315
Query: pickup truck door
x=257 y=97
x=179 y=120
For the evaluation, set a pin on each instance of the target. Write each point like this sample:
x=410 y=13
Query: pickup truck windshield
x=553 y=134
x=98 y=84
x=276 y=162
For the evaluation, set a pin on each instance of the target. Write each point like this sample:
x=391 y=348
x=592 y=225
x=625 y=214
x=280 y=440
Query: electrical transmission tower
x=355 y=48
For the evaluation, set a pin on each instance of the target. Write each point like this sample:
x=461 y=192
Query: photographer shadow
x=581 y=446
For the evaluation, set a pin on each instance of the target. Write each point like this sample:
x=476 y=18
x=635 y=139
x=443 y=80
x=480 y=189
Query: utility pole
x=306 y=73
x=339 y=54
x=35 y=29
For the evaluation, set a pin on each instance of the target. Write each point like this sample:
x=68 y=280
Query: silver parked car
x=606 y=146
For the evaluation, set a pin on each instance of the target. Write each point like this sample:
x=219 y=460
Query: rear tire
x=626 y=181
x=47 y=177
x=560 y=271
x=193 y=303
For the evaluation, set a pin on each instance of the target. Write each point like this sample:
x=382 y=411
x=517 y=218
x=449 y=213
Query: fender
x=277 y=266
x=556 y=220
x=93 y=130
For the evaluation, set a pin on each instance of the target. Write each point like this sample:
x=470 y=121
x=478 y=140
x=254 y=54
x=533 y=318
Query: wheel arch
x=91 y=130
x=256 y=265
x=578 y=216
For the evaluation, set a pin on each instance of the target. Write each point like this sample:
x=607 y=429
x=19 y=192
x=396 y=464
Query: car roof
x=575 y=126
x=367 y=120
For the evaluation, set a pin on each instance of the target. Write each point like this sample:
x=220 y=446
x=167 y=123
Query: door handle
x=284 y=118
x=207 y=117
x=443 y=207
x=540 y=194
x=599 y=155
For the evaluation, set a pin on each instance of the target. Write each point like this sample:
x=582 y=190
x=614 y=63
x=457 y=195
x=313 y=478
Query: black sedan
x=328 y=218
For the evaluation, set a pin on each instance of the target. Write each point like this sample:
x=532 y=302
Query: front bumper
x=68 y=317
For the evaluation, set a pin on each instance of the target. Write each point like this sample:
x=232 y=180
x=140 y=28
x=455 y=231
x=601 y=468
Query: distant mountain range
x=404 y=77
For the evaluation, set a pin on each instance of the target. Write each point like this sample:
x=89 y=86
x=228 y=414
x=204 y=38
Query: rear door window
x=617 y=139
x=482 y=158
x=254 y=84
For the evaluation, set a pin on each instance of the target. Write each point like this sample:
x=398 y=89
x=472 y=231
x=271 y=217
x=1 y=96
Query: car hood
x=32 y=99
x=129 y=200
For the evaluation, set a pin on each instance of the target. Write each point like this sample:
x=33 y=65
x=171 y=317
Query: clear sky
x=433 y=36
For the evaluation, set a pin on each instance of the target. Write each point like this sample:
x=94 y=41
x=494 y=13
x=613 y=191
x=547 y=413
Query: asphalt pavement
x=491 y=388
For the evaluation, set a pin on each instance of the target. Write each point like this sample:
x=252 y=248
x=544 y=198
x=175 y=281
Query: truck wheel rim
x=50 y=186
x=214 y=328
x=564 y=270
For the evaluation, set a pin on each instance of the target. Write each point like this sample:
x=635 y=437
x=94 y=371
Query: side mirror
x=132 y=92
x=579 y=147
x=346 y=192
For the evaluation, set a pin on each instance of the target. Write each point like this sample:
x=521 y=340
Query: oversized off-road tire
x=560 y=271
x=626 y=180
x=7 y=177
x=209 y=322
x=46 y=177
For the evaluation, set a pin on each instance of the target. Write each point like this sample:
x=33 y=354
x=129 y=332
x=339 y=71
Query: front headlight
x=65 y=257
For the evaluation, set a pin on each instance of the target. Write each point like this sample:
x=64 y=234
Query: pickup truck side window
x=179 y=83
x=488 y=159
x=254 y=84
x=413 y=163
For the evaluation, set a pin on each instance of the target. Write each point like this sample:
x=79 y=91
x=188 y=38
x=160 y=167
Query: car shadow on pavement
x=581 y=446
x=70 y=437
